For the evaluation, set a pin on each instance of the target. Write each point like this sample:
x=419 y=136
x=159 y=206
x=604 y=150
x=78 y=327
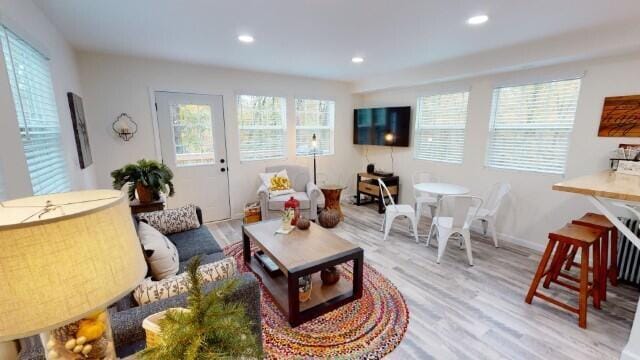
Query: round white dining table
x=441 y=189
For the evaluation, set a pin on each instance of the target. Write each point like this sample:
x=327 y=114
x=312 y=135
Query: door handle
x=223 y=169
x=221 y=161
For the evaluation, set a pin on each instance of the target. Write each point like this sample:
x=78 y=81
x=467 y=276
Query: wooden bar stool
x=609 y=238
x=586 y=239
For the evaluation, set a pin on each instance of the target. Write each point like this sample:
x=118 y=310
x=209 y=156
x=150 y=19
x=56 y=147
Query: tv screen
x=389 y=126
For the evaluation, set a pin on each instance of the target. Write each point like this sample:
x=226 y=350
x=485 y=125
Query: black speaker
x=370 y=168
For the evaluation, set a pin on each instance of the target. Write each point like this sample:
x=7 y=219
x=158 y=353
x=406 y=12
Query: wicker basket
x=252 y=213
x=151 y=326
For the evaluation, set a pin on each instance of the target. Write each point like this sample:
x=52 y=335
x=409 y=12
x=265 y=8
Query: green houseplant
x=211 y=328
x=149 y=178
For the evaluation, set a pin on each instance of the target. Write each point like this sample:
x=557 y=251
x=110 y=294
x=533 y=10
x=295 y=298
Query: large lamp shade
x=64 y=256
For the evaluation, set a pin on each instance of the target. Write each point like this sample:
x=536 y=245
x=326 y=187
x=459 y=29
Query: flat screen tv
x=388 y=126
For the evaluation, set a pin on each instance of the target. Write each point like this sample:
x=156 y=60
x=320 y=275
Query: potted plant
x=149 y=179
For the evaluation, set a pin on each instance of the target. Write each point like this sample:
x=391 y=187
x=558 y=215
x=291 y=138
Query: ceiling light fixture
x=247 y=39
x=477 y=20
x=357 y=59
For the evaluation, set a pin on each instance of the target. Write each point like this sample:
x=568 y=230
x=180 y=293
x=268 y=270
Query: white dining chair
x=487 y=213
x=393 y=210
x=423 y=199
x=452 y=220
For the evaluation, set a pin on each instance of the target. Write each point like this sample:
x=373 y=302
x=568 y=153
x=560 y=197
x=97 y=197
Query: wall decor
x=620 y=117
x=125 y=127
x=80 y=130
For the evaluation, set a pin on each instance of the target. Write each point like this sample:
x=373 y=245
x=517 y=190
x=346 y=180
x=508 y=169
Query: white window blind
x=262 y=127
x=440 y=126
x=32 y=90
x=531 y=124
x=314 y=117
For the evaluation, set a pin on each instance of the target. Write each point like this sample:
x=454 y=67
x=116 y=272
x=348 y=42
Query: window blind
x=262 y=127
x=440 y=126
x=531 y=124
x=314 y=117
x=32 y=89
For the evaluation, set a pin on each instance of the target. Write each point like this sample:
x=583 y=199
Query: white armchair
x=306 y=192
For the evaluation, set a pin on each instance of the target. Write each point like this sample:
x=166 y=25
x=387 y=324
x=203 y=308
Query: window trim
x=416 y=125
x=285 y=128
x=332 y=128
x=494 y=108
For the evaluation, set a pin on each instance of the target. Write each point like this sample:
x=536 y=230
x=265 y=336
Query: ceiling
x=318 y=38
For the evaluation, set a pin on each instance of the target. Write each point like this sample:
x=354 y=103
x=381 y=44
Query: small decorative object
x=303 y=223
x=88 y=336
x=294 y=205
x=285 y=226
x=371 y=168
x=149 y=179
x=329 y=218
x=330 y=275
x=304 y=290
x=620 y=117
x=628 y=167
x=80 y=130
x=125 y=127
x=211 y=327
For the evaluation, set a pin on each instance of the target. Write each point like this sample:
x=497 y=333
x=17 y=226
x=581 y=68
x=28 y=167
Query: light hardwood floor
x=463 y=312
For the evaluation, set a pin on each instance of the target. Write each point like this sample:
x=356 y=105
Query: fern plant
x=150 y=174
x=212 y=328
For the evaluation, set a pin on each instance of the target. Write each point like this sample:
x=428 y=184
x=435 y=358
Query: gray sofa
x=127 y=316
x=306 y=192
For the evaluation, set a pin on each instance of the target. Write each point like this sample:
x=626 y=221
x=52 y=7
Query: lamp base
x=86 y=339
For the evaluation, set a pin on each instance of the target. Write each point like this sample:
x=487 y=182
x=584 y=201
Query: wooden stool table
x=332 y=195
x=586 y=239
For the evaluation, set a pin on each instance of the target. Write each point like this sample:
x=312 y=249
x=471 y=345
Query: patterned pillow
x=277 y=183
x=160 y=253
x=150 y=291
x=172 y=221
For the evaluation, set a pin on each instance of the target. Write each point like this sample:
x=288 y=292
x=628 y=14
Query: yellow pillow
x=279 y=183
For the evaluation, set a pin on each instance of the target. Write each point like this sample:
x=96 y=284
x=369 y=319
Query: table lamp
x=63 y=259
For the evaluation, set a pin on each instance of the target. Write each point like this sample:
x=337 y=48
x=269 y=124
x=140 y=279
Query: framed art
x=80 y=130
x=620 y=117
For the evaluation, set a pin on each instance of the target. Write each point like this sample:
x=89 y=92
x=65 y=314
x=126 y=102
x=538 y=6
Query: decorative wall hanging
x=80 y=130
x=125 y=127
x=620 y=117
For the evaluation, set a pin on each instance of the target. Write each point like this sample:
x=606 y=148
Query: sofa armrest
x=127 y=325
x=263 y=196
x=313 y=192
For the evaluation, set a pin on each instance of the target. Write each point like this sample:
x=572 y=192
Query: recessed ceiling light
x=357 y=59
x=245 y=38
x=477 y=20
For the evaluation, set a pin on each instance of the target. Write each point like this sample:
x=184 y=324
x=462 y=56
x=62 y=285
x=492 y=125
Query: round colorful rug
x=368 y=328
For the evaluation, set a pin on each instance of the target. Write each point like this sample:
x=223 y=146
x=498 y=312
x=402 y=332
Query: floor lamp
x=65 y=258
x=314 y=146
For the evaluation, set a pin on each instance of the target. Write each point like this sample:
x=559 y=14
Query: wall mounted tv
x=388 y=126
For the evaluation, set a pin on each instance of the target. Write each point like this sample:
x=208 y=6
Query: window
x=32 y=90
x=262 y=127
x=440 y=127
x=192 y=134
x=314 y=117
x=531 y=124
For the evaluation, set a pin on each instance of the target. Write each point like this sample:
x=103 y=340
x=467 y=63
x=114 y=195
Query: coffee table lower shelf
x=323 y=298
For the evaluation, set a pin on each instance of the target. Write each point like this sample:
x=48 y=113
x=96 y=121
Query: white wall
x=114 y=84
x=24 y=18
x=532 y=209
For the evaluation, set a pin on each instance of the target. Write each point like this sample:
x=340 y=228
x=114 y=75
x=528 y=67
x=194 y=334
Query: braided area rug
x=368 y=328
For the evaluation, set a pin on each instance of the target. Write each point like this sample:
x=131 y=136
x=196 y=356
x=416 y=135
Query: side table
x=138 y=207
x=332 y=197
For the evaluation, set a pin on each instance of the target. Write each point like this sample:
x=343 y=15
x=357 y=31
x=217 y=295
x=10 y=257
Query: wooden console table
x=368 y=185
x=138 y=207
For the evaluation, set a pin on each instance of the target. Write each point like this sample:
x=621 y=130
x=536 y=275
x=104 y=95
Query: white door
x=192 y=144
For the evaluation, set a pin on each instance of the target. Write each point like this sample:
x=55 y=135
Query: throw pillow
x=277 y=183
x=150 y=291
x=172 y=221
x=161 y=254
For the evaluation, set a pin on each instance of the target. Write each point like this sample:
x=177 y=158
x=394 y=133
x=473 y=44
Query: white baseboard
x=513 y=240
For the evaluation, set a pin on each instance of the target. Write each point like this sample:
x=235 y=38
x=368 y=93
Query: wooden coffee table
x=304 y=252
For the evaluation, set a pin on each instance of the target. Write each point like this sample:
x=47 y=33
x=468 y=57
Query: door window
x=192 y=134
